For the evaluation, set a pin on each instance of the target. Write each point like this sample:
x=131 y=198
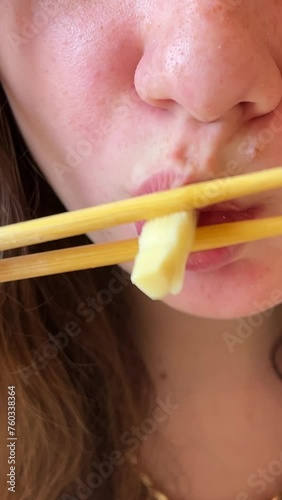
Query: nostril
x=250 y=110
x=165 y=104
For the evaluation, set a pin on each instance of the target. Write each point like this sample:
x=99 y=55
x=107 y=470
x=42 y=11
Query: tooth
x=164 y=246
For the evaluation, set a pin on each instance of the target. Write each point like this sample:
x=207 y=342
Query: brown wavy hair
x=79 y=381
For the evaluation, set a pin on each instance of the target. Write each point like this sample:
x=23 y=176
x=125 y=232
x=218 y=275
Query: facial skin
x=107 y=93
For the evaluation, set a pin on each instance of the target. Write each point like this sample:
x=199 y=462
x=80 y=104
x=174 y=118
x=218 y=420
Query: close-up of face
x=119 y=99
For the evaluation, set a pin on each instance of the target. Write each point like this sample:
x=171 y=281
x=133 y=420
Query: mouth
x=219 y=214
x=226 y=212
x=230 y=211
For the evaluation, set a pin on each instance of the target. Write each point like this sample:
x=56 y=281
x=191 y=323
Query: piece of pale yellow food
x=164 y=246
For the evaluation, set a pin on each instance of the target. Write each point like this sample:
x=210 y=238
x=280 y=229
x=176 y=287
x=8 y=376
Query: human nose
x=208 y=64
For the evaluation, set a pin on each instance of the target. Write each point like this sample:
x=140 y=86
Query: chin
x=242 y=288
x=250 y=285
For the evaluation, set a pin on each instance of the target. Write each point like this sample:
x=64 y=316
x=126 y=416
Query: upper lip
x=169 y=179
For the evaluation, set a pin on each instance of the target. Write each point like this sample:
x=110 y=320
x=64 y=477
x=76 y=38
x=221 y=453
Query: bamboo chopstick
x=144 y=207
x=90 y=256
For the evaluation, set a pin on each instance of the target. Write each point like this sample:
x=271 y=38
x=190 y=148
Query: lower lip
x=211 y=260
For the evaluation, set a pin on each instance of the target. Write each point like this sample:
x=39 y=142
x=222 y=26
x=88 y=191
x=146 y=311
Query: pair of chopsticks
x=144 y=207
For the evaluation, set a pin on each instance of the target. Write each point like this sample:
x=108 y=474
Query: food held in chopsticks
x=164 y=246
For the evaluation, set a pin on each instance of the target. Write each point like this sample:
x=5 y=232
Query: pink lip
x=215 y=214
x=210 y=260
x=160 y=181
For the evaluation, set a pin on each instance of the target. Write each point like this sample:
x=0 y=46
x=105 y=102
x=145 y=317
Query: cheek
x=79 y=72
x=75 y=109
